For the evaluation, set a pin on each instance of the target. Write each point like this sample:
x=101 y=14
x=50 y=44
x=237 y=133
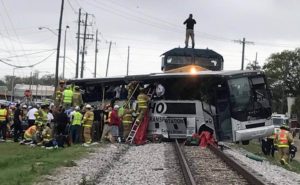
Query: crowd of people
x=68 y=120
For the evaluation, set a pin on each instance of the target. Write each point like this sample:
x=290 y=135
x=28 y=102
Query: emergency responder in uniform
x=47 y=138
x=87 y=121
x=131 y=87
x=127 y=120
x=76 y=124
x=29 y=134
x=3 y=121
x=59 y=93
x=77 y=97
x=67 y=97
x=142 y=101
x=284 y=139
x=42 y=117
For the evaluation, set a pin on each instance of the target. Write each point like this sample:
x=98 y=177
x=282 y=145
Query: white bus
x=234 y=105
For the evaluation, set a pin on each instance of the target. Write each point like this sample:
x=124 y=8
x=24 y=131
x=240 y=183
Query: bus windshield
x=249 y=98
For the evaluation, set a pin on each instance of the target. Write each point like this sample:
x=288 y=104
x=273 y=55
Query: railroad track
x=212 y=166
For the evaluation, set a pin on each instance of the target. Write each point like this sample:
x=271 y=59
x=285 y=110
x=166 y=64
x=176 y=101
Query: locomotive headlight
x=193 y=70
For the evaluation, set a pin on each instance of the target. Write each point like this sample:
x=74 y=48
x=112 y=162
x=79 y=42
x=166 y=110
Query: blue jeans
x=75 y=133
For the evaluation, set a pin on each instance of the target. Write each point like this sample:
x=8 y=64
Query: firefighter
x=3 y=121
x=87 y=121
x=142 y=101
x=75 y=125
x=47 y=137
x=77 y=97
x=67 y=97
x=127 y=120
x=29 y=134
x=284 y=139
x=59 y=93
x=41 y=115
x=131 y=87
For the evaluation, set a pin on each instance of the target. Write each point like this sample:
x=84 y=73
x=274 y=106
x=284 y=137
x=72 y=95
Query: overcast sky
x=149 y=27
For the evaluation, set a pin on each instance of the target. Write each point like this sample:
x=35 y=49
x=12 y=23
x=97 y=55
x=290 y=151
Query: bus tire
x=246 y=142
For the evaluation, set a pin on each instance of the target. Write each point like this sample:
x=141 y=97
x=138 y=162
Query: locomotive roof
x=204 y=53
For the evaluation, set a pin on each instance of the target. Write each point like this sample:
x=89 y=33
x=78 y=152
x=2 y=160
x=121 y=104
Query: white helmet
x=116 y=106
x=24 y=106
x=88 y=106
x=77 y=108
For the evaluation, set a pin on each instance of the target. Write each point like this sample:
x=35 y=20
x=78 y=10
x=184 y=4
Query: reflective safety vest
x=30 y=132
x=68 y=95
x=3 y=114
x=282 y=138
x=88 y=119
x=77 y=117
x=127 y=119
x=142 y=100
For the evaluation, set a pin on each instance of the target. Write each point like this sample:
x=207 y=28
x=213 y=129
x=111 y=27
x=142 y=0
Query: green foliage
x=23 y=165
x=253 y=66
x=283 y=73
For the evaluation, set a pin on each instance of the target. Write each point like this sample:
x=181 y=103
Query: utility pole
x=83 y=47
x=128 y=61
x=58 y=44
x=64 y=63
x=243 y=42
x=255 y=63
x=78 y=44
x=107 y=65
x=96 y=52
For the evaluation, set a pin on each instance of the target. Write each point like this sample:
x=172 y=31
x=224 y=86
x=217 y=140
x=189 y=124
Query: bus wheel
x=245 y=142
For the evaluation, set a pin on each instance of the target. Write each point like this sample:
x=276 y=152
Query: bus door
x=223 y=119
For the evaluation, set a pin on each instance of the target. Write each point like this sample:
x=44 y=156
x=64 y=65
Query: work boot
x=282 y=162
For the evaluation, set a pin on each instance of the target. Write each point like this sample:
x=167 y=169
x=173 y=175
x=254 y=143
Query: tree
x=253 y=66
x=283 y=73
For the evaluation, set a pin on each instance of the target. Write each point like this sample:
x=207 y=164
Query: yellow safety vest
x=88 y=119
x=3 y=114
x=77 y=117
x=47 y=134
x=68 y=95
x=142 y=100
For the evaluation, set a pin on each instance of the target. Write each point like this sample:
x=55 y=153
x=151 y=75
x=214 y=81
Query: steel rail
x=250 y=177
x=188 y=177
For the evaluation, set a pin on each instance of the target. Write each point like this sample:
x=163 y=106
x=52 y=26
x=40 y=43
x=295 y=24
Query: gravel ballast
x=140 y=165
x=272 y=173
x=88 y=168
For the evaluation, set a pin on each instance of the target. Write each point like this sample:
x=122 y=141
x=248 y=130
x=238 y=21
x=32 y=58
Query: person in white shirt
x=30 y=116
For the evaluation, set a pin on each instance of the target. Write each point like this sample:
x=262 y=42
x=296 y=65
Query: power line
x=28 y=54
x=32 y=65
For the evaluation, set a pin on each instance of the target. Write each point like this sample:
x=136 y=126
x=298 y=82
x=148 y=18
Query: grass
x=255 y=148
x=23 y=165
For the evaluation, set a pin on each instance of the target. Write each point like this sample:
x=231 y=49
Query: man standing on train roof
x=190 y=22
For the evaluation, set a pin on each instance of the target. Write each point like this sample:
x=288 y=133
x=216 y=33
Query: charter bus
x=234 y=105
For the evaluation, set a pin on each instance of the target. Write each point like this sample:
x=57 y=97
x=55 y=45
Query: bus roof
x=229 y=74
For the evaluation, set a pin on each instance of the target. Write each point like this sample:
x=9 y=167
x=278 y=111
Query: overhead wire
x=32 y=65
